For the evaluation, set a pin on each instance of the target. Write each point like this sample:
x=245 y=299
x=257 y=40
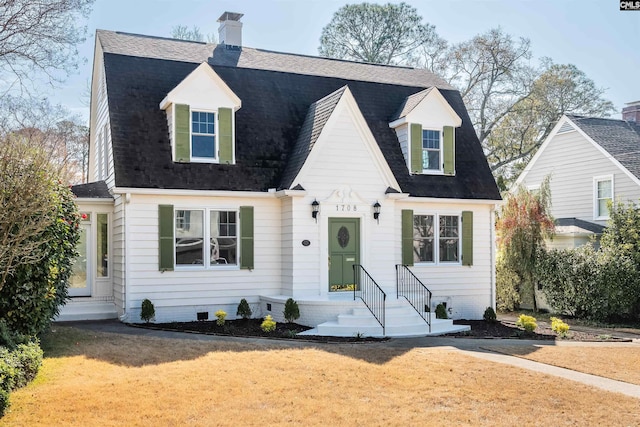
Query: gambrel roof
x=283 y=99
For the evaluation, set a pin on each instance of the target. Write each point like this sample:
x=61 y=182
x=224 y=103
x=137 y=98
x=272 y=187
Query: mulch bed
x=479 y=329
x=508 y=330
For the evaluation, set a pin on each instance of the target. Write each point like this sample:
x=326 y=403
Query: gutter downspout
x=125 y=309
x=492 y=249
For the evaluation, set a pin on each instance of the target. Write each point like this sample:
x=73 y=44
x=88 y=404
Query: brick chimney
x=631 y=112
x=230 y=30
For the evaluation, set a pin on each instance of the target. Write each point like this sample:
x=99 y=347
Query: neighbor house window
x=203 y=137
x=436 y=237
x=191 y=233
x=430 y=149
x=603 y=191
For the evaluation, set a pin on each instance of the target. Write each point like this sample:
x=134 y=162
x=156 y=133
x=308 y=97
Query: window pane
x=102 y=246
x=604 y=189
x=203 y=146
x=224 y=242
x=431 y=139
x=423 y=238
x=189 y=240
x=449 y=238
x=603 y=209
x=430 y=159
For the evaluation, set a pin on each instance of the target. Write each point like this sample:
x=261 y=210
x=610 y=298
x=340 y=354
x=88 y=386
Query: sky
x=594 y=35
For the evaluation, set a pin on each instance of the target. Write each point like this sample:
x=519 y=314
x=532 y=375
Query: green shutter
x=467 y=238
x=225 y=135
x=246 y=237
x=416 y=148
x=407 y=237
x=165 y=231
x=449 y=151
x=182 y=136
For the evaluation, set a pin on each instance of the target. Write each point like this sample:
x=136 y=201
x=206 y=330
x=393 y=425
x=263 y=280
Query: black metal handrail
x=412 y=288
x=370 y=293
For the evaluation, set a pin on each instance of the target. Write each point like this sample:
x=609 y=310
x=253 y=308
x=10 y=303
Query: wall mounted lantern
x=376 y=212
x=315 y=208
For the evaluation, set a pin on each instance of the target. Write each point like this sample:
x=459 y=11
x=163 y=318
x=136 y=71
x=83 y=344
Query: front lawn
x=100 y=379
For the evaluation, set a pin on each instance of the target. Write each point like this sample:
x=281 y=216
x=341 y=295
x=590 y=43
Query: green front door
x=344 y=252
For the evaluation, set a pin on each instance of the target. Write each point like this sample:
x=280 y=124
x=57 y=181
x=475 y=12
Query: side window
x=189 y=238
x=203 y=137
x=224 y=237
x=603 y=192
x=423 y=238
x=430 y=149
x=449 y=238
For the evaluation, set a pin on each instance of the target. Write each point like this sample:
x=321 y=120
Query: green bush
x=528 y=323
x=291 y=311
x=221 y=317
x=34 y=293
x=507 y=287
x=489 y=315
x=244 y=310
x=148 y=311
x=268 y=324
x=441 y=312
x=4 y=402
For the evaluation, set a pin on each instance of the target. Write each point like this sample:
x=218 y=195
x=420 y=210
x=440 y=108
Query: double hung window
x=205 y=243
x=431 y=149
x=436 y=238
x=203 y=136
x=603 y=191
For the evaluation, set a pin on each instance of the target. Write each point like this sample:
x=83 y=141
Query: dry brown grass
x=92 y=379
x=617 y=363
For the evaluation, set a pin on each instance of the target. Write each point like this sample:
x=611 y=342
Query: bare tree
x=183 y=32
x=384 y=34
x=41 y=36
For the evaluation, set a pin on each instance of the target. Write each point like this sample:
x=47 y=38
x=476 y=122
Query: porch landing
x=87 y=309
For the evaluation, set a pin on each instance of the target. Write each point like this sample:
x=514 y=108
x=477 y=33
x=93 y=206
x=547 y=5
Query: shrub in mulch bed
x=250 y=328
x=505 y=329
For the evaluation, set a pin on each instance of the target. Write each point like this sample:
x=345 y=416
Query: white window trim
x=439 y=171
x=207 y=237
x=109 y=245
x=596 y=180
x=216 y=118
x=436 y=238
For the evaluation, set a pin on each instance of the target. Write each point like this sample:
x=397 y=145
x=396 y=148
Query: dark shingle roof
x=93 y=190
x=270 y=122
x=580 y=224
x=619 y=138
x=317 y=117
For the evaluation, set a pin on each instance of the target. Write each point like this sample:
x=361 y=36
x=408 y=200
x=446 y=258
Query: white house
x=222 y=172
x=590 y=161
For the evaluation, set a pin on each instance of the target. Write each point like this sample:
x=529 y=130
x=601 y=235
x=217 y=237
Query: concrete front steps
x=77 y=309
x=401 y=321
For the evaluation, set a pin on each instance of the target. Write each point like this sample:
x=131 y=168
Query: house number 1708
x=346 y=208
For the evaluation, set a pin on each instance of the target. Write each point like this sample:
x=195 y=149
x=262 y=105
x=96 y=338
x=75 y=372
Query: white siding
x=573 y=163
x=119 y=254
x=100 y=168
x=179 y=294
x=402 y=132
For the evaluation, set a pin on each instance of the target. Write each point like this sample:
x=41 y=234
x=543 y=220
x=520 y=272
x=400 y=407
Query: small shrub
x=441 y=311
x=8 y=370
x=528 y=323
x=268 y=324
x=29 y=359
x=244 y=310
x=291 y=311
x=4 y=402
x=559 y=327
x=489 y=315
x=148 y=311
x=221 y=316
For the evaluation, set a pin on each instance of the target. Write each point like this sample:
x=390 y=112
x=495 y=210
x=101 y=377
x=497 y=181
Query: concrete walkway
x=480 y=348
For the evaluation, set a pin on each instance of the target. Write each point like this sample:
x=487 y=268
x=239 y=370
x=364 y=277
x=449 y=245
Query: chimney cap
x=631 y=104
x=230 y=16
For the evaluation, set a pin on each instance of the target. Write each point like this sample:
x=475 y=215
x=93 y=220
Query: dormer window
x=201 y=118
x=431 y=150
x=203 y=135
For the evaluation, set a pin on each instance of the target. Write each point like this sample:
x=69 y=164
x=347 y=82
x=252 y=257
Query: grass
x=618 y=363
x=99 y=379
